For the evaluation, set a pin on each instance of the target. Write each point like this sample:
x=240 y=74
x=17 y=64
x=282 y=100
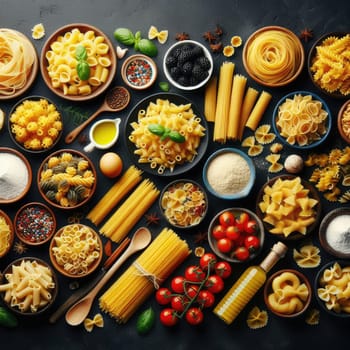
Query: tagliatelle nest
x=257 y=318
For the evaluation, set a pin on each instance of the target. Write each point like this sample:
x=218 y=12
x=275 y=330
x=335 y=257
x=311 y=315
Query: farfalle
x=153 y=33
x=257 y=318
x=308 y=256
x=313 y=317
x=96 y=321
x=263 y=134
x=275 y=165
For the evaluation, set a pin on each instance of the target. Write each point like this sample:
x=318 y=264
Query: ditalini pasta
x=132 y=209
x=115 y=194
x=210 y=99
x=16 y=61
x=258 y=110
x=149 y=270
x=223 y=101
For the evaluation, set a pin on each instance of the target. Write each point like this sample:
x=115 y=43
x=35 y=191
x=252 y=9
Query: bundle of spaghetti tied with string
x=146 y=274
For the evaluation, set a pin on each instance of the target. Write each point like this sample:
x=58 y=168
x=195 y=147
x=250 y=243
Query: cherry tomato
x=206 y=298
x=207 y=260
x=241 y=221
x=218 y=232
x=233 y=233
x=251 y=226
x=192 y=290
x=178 y=284
x=241 y=253
x=223 y=269
x=252 y=243
x=214 y=284
x=168 y=317
x=227 y=219
x=178 y=303
x=194 y=274
x=194 y=316
x=224 y=245
x=163 y=296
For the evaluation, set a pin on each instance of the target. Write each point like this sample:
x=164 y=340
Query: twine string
x=150 y=276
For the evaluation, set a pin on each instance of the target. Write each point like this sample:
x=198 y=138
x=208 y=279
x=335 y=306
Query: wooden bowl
x=41 y=270
x=33 y=143
x=35 y=223
x=294 y=235
x=32 y=71
x=274 y=79
x=84 y=238
x=342 y=122
x=7 y=244
x=272 y=287
x=96 y=90
x=78 y=187
x=23 y=170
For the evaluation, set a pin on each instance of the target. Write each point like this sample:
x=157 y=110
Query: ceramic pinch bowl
x=103 y=134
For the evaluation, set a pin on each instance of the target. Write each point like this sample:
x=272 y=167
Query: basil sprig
x=83 y=68
x=163 y=132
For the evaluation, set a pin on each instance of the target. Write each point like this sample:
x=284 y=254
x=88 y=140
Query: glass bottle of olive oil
x=247 y=285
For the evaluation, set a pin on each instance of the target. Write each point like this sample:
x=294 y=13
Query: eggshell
x=111 y=165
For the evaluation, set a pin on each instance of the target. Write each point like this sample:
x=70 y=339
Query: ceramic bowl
x=292 y=289
x=333 y=233
x=239 y=231
x=43 y=128
x=183 y=203
x=195 y=72
x=278 y=77
x=317 y=75
x=41 y=296
x=229 y=174
x=32 y=69
x=67 y=179
x=87 y=244
x=307 y=139
x=97 y=86
x=139 y=72
x=278 y=199
x=343 y=121
x=7 y=232
x=330 y=275
x=16 y=181
x=35 y=223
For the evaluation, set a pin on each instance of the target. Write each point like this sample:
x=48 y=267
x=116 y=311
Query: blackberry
x=184 y=56
x=176 y=52
x=182 y=80
x=197 y=51
x=187 y=68
x=170 y=61
x=193 y=81
x=175 y=72
x=203 y=62
x=197 y=71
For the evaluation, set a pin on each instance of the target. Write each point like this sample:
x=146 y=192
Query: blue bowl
x=313 y=144
x=230 y=194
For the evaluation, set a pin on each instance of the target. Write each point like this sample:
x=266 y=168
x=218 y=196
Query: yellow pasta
x=5 y=235
x=308 y=256
x=248 y=103
x=237 y=94
x=210 y=99
x=223 y=101
x=313 y=317
x=258 y=111
x=275 y=165
x=138 y=282
x=263 y=134
x=130 y=211
x=97 y=321
x=16 y=61
x=257 y=318
x=38 y=31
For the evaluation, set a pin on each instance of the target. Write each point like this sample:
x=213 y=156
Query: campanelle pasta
x=62 y=62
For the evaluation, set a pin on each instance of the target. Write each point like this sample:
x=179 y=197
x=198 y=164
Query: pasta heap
x=330 y=66
x=76 y=248
x=301 y=120
x=274 y=56
x=130 y=211
x=36 y=124
x=165 y=153
x=29 y=286
x=150 y=269
x=5 y=236
x=16 y=61
x=62 y=62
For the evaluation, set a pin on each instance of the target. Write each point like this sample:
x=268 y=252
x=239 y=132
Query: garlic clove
x=121 y=52
x=294 y=164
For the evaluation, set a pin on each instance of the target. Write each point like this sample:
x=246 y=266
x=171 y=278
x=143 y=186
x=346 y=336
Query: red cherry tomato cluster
x=194 y=291
x=238 y=237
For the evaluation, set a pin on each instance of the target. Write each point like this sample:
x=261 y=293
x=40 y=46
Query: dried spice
x=20 y=248
x=152 y=219
x=182 y=36
x=201 y=237
x=216 y=47
x=210 y=37
x=306 y=34
x=218 y=31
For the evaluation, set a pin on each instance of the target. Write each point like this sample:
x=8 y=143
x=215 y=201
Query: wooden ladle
x=79 y=311
x=116 y=100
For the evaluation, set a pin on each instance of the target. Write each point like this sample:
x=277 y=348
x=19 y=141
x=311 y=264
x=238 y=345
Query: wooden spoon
x=79 y=311
x=116 y=100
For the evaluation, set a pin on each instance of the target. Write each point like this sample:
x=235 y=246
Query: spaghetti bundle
x=114 y=195
x=150 y=269
x=132 y=209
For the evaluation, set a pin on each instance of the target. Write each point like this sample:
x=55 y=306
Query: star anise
x=306 y=34
x=218 y=31
x=182 y=36
x=210 y=37
x=152 y=219
x=201 y=237
x=216 y=47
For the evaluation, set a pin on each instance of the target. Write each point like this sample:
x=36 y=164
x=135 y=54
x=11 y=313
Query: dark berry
x=187 y=68
x=184 y=56
x=197 y=51
x=197 y=71
x=203 y=62
x=170 y=61
x=175 y=72
x=182 y=80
